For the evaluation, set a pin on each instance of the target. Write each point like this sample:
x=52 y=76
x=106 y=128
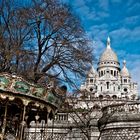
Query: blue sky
x=119 y=19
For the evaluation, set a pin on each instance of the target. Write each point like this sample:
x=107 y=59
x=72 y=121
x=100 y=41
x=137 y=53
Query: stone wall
x=120 y=122
x=121 y=134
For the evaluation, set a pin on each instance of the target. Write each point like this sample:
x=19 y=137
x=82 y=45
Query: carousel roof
x=17 y=86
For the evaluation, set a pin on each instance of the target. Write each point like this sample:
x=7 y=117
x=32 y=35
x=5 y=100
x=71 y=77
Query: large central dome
x=108 y=59
x=108 y=54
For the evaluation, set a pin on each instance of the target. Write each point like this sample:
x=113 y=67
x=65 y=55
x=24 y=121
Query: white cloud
x=99 y=32
x=116 y=1
x=96 y=29
x=126 y=34
x=99 y=46
x=104 y=4
x=101 y=26
x=91 y=12
x=103 y=14
x=97 y=15
x=79 y=3
x=131 y=20
x=122 y=32
x=129 y=3
x=134 y=7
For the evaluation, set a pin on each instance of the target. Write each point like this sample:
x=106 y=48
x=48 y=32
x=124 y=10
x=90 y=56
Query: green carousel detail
x=26 y=107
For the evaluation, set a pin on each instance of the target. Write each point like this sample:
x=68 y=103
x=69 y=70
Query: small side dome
x=124 y=71
x=92 y=72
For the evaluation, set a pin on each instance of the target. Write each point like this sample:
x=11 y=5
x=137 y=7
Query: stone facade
x=120 y=122
x=109 y=80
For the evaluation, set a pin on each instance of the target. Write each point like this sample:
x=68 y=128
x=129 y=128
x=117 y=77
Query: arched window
x=100 y=96
x=107 y=85
x=107 y=96
x=114 y=73
x=114 y=97
x=91 y=80
x=118 y=87
x=101 y=73
x=125 y=80
x=96 y=87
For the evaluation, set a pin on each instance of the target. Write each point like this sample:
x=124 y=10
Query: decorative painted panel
x=21 y=87
x=3 y=82
x=38 y=91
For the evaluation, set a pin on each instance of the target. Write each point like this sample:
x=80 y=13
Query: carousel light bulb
x=3 y=96
x=37 y=117
x=11 y=98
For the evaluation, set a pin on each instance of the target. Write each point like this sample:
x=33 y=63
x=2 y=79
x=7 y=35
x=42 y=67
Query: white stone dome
x=124 y=71
x=108 y=54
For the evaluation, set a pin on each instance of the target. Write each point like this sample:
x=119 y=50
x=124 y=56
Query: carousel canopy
x=13 y=86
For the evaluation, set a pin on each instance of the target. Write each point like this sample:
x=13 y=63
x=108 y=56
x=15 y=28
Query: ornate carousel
x=26 y=107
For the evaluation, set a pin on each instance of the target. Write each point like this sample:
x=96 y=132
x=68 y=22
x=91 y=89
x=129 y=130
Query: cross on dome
x=108 y=39
x=124 y=63
x=108 y=42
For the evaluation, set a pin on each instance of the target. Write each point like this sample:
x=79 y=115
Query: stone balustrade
x=123 y=108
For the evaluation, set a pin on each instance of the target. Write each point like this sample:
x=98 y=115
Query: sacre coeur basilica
x=109 y=80
x=111 y=101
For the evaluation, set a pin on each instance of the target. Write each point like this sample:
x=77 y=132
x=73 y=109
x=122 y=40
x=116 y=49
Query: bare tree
x=84 y=113
x=86 y=110
x=44 y=39
x=15 y=36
